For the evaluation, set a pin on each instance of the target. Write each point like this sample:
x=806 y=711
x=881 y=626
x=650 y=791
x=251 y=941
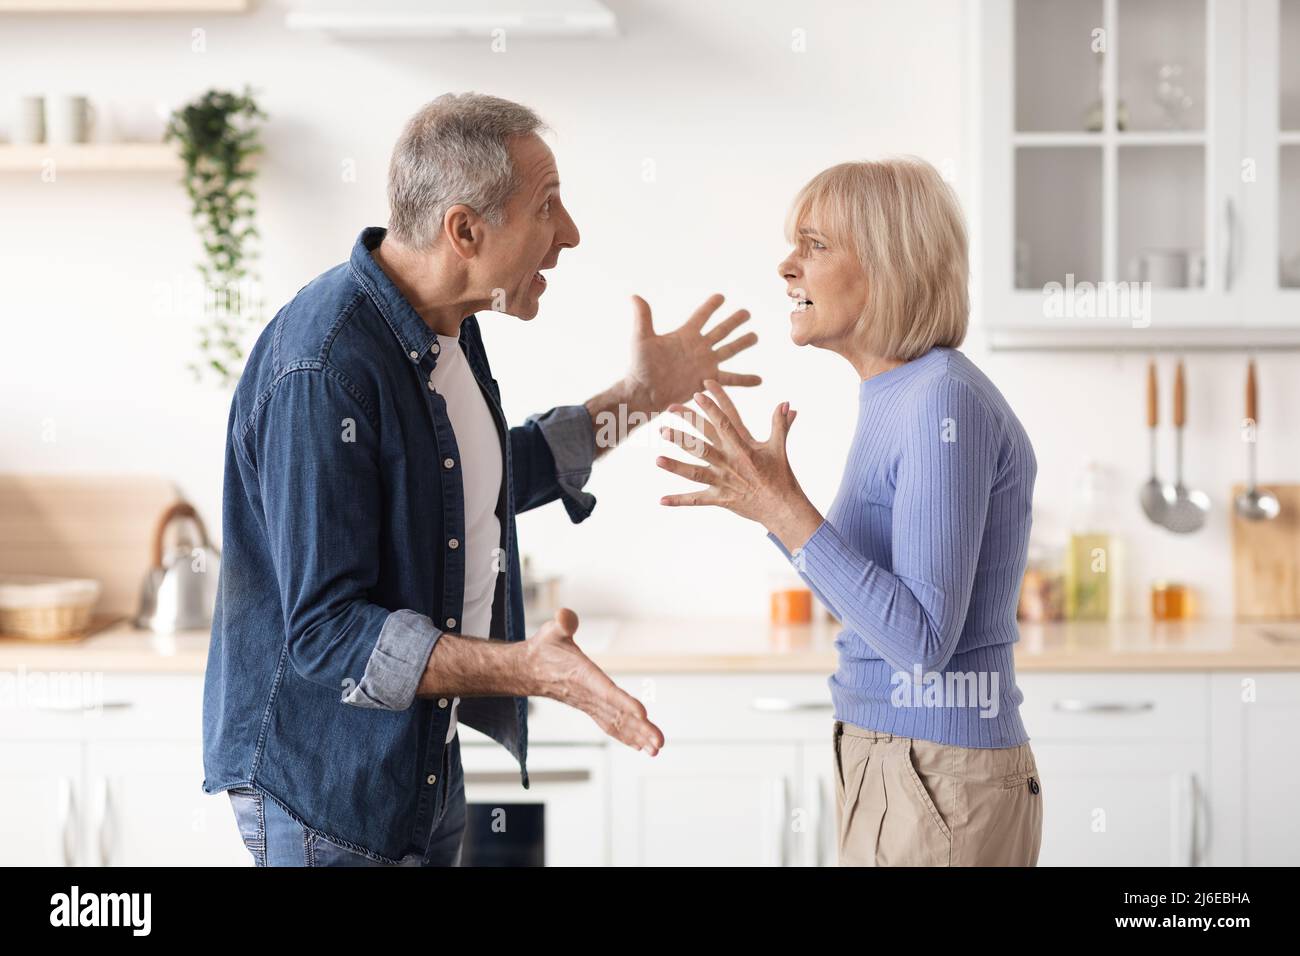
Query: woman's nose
x=787 y=269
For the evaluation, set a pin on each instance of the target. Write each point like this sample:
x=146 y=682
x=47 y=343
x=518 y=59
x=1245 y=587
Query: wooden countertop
x=669 y=646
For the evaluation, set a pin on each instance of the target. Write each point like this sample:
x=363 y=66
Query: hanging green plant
x=218 y=136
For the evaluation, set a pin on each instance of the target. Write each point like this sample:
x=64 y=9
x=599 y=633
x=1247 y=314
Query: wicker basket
x=44 y=608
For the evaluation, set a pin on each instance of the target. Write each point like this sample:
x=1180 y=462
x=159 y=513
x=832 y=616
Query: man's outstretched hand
x=561 y=671
x=668 y=369
x=672 y=367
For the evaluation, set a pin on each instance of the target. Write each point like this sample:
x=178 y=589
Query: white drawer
x=1111 y=706
x=765 y=707
x=98 y=705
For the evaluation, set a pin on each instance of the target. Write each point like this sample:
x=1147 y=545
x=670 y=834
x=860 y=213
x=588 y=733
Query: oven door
x=560 y=820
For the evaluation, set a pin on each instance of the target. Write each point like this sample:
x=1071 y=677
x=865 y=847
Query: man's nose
x=567 y=236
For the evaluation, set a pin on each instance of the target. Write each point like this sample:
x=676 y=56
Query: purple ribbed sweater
x=922 y=553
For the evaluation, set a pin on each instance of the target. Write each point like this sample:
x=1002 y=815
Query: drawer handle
x=1071 y=705
x=75 y=708
x=783 y=705
x=489 y=777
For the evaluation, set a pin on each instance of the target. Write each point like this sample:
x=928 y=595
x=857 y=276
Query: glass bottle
x=1092 y=559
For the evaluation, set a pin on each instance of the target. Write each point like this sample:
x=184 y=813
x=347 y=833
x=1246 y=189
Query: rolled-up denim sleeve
x=397 y=663
x=552 y=454
x=315 y=444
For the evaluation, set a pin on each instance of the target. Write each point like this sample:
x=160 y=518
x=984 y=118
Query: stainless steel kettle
x=180 y=589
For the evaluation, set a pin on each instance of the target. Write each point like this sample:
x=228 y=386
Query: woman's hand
x=746 y=476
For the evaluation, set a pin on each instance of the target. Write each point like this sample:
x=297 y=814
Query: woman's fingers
x=705 y=476
x=691 y=499
x=726 y=326
x=724 y=352
x=690 y=443
x=692 y=417
x=727 y=408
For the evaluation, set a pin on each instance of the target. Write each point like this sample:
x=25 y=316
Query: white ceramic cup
x=69 y=119
x=29 y=120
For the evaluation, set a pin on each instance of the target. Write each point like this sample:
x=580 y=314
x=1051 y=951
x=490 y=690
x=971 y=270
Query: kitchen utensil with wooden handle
x=1156 y=496
x=1190 y=506
x=1253 y=504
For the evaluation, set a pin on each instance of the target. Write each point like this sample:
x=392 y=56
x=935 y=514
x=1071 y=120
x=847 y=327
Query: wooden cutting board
x=1266 y=559
x=81 y=526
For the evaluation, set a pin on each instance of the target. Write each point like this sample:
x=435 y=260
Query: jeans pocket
x=250 y=817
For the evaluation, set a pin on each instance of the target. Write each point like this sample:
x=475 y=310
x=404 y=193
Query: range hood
x=454 y=18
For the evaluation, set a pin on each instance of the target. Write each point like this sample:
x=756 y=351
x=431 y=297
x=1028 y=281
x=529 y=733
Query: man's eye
x=546 y=207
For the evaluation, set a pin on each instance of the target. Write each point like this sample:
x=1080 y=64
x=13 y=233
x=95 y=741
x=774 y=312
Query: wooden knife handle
x=1153 y=413
x=1251 y=400
x=1180 y=397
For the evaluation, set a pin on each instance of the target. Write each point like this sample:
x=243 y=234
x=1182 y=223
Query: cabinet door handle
x=1072 y=705
x=821 y=833
x=1200 y=824
x=783 y=821
x=785 y=705
x=73 y=707
x=1230 y=243
x=68 y=820
x=104 y=823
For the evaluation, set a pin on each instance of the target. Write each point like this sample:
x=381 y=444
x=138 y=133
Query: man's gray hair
x=454 y=151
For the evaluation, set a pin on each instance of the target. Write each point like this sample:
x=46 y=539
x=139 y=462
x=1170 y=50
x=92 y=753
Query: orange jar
x=1171 y=601
x=792 y=606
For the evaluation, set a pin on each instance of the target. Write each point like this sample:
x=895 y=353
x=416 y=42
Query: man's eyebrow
x=552 y=183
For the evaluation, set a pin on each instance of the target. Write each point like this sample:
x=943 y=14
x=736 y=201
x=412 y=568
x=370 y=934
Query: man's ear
x=463 y=229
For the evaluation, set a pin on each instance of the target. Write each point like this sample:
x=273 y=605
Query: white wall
x=733 y=121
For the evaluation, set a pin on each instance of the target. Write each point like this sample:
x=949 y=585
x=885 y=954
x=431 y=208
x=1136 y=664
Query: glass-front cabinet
x=1138 y=172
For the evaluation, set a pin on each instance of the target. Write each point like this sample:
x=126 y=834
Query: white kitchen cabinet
x=1136 y=769
x=1256 y=769
x=145 y=808
x=1134 y=147
x=705 y=804
x=1122 y=803
x=817 y=839
x=106 y=769
x=40 y=813
x=1124 y=767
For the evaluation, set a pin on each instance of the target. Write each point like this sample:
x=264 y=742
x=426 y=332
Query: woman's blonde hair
x=905 y=225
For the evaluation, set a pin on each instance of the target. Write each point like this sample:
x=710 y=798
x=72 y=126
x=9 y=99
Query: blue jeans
x=276 y=839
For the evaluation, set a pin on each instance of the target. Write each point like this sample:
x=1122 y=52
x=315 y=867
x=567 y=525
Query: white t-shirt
x=481 y=468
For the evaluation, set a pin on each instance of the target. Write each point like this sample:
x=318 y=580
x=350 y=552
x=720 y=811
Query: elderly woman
x=921 y=554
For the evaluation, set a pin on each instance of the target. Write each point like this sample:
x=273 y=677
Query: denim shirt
x=343 y=518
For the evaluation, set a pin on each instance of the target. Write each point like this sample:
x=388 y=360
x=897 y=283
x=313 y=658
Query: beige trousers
x=901 y=801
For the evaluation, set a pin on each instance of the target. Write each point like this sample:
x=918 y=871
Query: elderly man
x=370 y=592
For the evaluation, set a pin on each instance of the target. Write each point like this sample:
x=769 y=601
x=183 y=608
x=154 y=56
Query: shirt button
x=453 y=544
x=449 y=463
x=415 y=355
x=435 y=348
x=432 y=778
x=442 y=701
x=451 y=622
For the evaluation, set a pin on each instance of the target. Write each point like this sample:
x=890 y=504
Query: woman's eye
x=817 y=245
